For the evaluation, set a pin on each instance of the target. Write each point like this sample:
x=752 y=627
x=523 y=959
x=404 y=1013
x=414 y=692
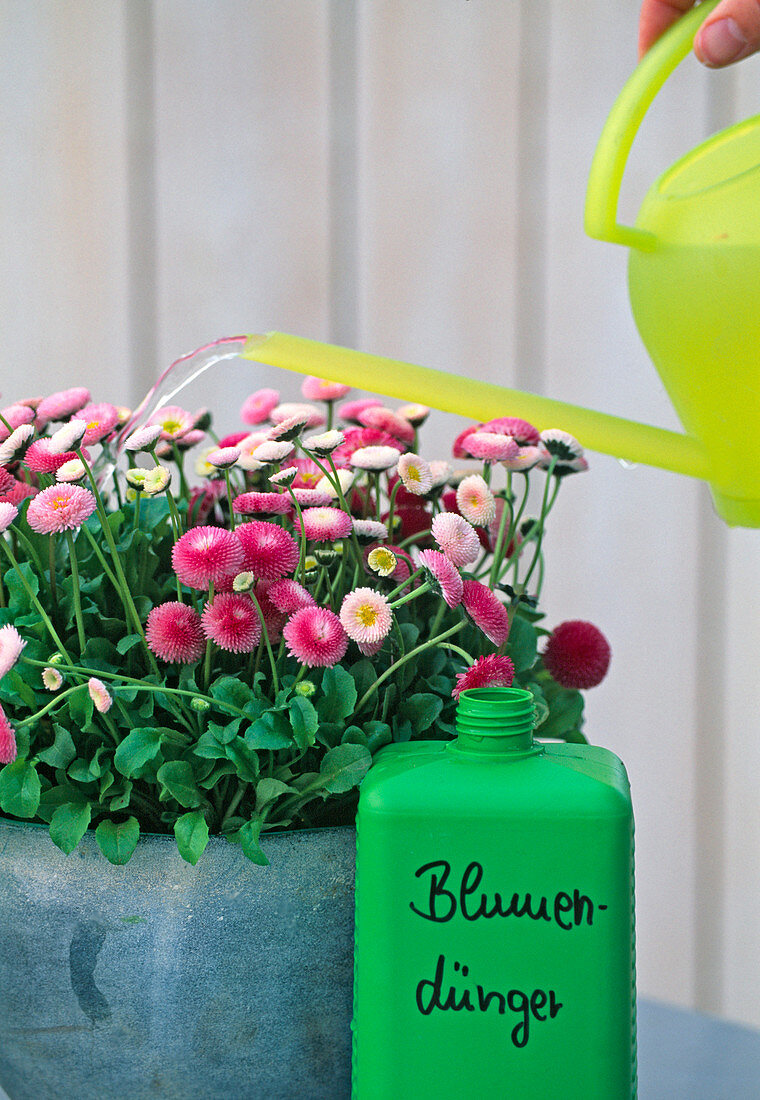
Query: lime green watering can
x=695 y=293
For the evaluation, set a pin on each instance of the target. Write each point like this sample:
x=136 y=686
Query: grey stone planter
x=159 y=979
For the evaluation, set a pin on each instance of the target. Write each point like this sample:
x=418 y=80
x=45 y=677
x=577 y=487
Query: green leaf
x=330 y=733
x=81 y=708
x=410 y=632
x=338 y=694
x=129 y=641
x=304 y=721
x=565 y=714
x=137 y=748
x=62 y=751
x=271 y=731
x=225 y=734
x=364 y=675
x=121 y=801
x=17 y=683
x=178 y=782
x=191 y=831
x=344 y=767
x=20 y=788
x=421 y=710
x=231 y=690
x=378 y=734
x=522 y=644
x=267 y=790
x=69 y=824
x=353 y=735
x=18 y=601
x=248 y=837
x=208 y=747
x=117 y=841
x=244 y=758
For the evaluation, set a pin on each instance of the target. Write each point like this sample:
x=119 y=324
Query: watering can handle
x=620 y=129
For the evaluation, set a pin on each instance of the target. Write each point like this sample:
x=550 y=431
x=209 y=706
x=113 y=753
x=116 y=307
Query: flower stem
x=265 y=636
x=32 y=596
x=75 y=591
x=407 y=657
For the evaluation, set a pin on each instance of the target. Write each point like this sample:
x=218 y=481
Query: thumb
x=730 y=33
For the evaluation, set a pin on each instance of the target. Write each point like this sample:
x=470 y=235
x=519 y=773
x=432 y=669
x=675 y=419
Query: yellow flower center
x=171 y=426
x=413 y=473
x=366 y=614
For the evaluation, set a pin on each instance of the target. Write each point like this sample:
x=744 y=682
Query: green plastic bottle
x=494 y=916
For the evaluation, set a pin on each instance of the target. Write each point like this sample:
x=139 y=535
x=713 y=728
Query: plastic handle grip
x=620 y=129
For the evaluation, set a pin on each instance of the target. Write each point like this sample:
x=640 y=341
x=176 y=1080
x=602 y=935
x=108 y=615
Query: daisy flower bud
x=566 y=451
x=382 y=561
x=415 y=414
x=136 y=477
x=285 y=476
x=51 y=678
x=243 y=582
x=200 y=706
x=100 y=695
x=374 y=458
x=305 y=688
x=273 y=451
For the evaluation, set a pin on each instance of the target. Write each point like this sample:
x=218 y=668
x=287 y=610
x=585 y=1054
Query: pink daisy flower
x=350 y=410
x=101 y=419
x=8 y=513
x=377 y=416
x=457 y=447
x=269 y=551
x=366 y=616
x=491 y=447
x=17 y=416
x=7 y=740
x=62 y=405
x=520 y=430
x=273 y=504
x=526 y=458
x=315 y=637
x=494 y=670
x=312 y=498
x=206 y=555
x=232 y=622
x=567 y=451
x=289 y=596
x=68 y=437
x=100 y=695
x=577 y=654
x=41 y=459
x=321 y=389
x=415 y=474
x=247 y=445
x=285 y=476
x=416 y=414
x=143 y=438
x=370 y=530
x=374 y=458
x=7 y=480
x=222 y=458
x=443 y=575
x=73 y=470
x=476 y=501
x=272 y=451
x=328 y=484
x=440 y=471
x=323 y=524
x=308 y=415
x=457 y=538
x=326 y=442
x=174 y=633
x=15 y=442
x=17 y=492
x=233 y=439
x=487 y=612
x=257 y=407
x=60 y=508
x=11 y=644
x=175 y=422
x=363 y=437
x=290 y=427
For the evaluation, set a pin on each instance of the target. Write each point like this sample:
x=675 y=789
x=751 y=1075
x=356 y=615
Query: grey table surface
x=682 y=1056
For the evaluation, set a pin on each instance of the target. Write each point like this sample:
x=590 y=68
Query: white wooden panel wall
x=409 y=179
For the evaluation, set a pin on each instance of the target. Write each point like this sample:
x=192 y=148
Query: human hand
x=730 y=33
